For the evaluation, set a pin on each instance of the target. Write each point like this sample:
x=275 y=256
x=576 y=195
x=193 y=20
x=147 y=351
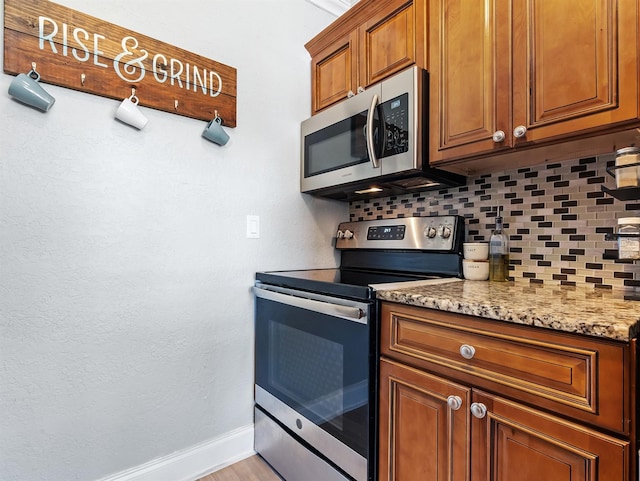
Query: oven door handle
x=354 y=314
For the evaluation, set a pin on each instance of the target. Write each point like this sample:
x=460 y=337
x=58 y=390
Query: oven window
x=318 y=365
x=308 y=369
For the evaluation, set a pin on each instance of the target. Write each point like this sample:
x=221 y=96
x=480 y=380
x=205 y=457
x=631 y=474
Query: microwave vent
x=413 y=183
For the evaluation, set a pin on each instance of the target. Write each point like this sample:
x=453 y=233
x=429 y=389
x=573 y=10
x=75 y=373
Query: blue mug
x=215 y=133
x=27 y=89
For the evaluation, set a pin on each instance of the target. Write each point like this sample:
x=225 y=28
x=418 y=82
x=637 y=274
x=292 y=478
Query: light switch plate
x=253 y=227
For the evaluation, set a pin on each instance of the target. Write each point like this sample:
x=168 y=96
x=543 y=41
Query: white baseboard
x=195 y=462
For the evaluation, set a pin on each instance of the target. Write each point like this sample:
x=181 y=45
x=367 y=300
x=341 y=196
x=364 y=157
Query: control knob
x=348 y=234
x=339 y=234
x=444 y=231
x=430 y=232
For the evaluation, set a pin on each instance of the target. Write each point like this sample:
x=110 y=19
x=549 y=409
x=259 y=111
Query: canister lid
x=628 y=220
x=628 y=150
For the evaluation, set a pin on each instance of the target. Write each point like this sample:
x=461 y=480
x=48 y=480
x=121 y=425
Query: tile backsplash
x=556 y=216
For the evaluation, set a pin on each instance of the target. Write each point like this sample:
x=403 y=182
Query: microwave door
x=334 y=144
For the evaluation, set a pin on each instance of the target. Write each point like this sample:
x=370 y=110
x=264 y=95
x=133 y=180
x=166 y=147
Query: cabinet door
x=387 y=42
x=512 y=442
x=333 y=72
x=421 y=437
x=470 y=80
x=574 y=66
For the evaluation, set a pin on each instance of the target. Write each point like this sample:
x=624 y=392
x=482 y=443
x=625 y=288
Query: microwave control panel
x=395 y=116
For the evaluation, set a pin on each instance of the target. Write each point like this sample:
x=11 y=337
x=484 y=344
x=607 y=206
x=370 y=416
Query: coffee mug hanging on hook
x=129 y=112
x=214 y=131
x=26 y=88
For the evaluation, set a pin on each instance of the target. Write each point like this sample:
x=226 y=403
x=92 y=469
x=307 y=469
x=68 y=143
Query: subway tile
x=562 y=200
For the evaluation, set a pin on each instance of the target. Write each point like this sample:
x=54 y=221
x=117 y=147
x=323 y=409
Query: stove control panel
x=390 y=232
x=435 y=233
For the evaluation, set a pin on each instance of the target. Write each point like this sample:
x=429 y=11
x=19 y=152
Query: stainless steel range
x=317 y=345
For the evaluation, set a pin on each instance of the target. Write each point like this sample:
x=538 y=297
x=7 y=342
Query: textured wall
x=126 y=319
x=556 y=216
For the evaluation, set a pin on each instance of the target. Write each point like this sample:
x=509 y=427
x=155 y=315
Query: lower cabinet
x=432 y=429
x=438 y=426
x=512 y=442
x=421 y=436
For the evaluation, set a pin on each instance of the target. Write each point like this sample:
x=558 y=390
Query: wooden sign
x=83 y=53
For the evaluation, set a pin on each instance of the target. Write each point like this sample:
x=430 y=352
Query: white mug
x=129 y=113
x=215 y=133
x=27 y=89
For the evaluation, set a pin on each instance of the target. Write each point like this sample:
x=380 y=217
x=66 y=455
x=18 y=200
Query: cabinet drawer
x=581 y=377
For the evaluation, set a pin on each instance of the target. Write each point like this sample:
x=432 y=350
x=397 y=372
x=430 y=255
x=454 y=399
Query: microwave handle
x=370 y=146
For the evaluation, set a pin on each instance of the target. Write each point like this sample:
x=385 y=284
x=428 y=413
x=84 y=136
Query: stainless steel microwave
x=373 y=144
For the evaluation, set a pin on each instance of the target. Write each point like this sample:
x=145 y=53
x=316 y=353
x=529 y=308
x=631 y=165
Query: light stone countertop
x=594 y=312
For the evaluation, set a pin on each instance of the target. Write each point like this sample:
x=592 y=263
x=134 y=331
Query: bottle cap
x=628 y=150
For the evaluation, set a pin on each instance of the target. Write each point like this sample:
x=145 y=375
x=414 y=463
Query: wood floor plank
x=253 y=468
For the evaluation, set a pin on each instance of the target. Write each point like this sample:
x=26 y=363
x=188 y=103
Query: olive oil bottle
x=499 y=252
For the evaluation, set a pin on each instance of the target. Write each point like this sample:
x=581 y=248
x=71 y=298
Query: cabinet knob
x=454 y=402
x=519 y=131
x=479 y=410
x=467 y=351
x=498 y=136
x=350 y=94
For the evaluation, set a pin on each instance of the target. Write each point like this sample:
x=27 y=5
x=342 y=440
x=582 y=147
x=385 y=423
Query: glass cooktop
x=339 y=282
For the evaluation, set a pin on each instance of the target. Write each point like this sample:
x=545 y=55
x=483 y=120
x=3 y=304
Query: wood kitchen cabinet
x=373 y=40
x=469 y=399
x=421 y=438
x=507 y=75
x=513 y=442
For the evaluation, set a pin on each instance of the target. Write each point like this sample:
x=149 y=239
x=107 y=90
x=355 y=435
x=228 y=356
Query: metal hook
x=175 y=104
x=33 y=73
x=216 y=113
x=82 y=79
x=133 y=91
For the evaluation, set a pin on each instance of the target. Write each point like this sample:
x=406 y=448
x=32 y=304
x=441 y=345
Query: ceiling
x=336 y=7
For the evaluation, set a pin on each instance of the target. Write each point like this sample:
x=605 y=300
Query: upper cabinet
x=373 y=40
x=507 y=75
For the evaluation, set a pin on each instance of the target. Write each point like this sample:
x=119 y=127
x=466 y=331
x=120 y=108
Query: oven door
x=313 y=365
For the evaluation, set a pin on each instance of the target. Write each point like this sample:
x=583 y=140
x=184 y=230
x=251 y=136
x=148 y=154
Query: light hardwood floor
x=250 y=469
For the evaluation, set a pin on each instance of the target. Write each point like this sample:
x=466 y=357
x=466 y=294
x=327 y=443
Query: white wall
x=125 y=310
